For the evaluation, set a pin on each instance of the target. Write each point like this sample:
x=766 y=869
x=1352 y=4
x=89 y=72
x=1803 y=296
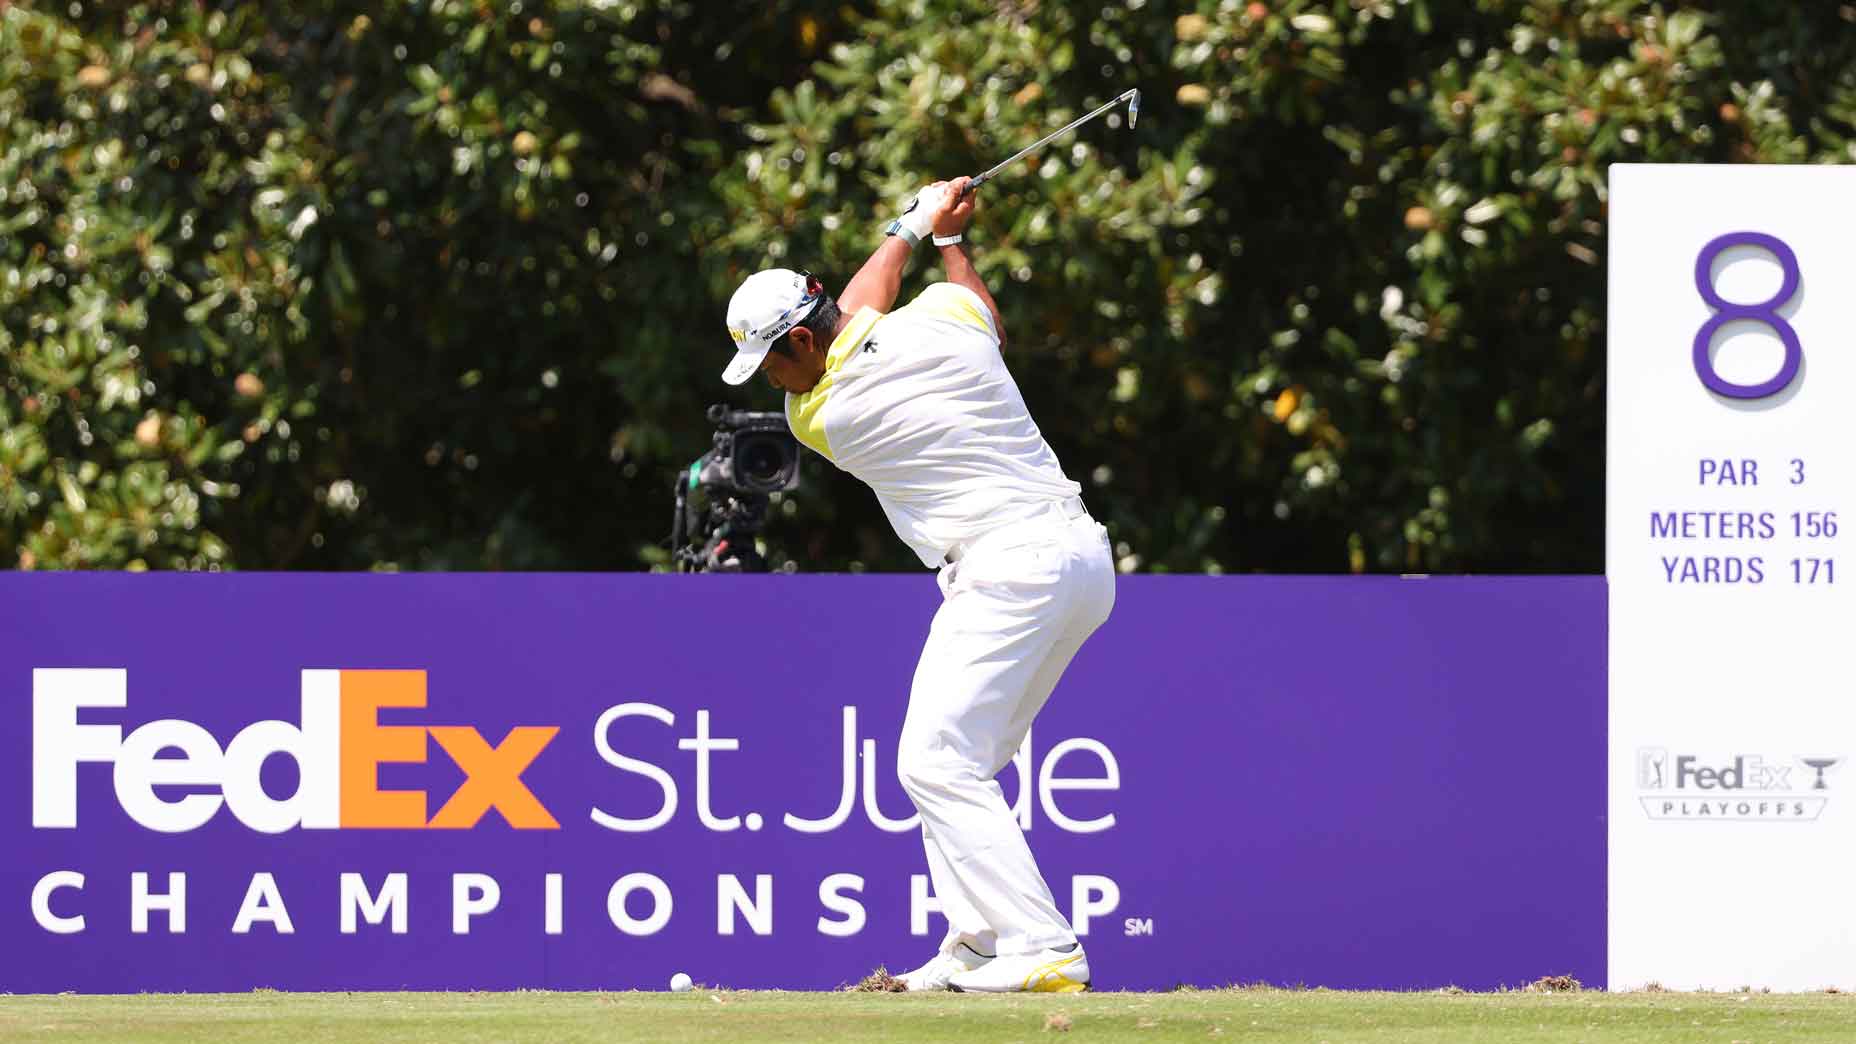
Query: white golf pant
x=1017 y=605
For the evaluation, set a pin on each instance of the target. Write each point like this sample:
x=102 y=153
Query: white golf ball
x=680 y=983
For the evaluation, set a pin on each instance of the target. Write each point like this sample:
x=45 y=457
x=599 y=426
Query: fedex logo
x=338 y=747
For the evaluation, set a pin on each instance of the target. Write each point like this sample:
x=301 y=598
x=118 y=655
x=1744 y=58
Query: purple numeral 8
x=1765 y=312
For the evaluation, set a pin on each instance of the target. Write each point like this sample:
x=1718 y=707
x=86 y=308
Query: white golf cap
x=766 y=305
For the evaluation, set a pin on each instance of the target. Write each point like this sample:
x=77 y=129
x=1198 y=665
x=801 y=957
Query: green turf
x=708 y=1015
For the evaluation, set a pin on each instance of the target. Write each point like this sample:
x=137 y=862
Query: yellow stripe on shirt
x=805 y=414
x=955 y=303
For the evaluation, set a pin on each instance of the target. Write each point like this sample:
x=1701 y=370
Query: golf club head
x=1134 y=106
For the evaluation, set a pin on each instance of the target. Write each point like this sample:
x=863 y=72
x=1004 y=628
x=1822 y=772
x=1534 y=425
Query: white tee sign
x=1730 y=481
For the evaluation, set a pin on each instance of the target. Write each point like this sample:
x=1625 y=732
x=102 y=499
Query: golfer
x=917 y=403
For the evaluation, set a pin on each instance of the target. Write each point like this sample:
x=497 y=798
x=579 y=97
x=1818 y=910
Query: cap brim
x=745 y=362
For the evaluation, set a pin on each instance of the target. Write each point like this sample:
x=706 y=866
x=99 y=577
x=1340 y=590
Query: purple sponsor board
x=581 y=782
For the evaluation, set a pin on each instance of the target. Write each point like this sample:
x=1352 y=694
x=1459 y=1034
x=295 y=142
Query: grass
x=1238 y=1014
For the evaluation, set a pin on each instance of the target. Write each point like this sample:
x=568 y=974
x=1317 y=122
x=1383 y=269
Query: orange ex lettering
x=492 y=775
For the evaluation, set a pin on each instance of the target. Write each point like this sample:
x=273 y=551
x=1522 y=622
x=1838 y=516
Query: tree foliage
x=440 y=284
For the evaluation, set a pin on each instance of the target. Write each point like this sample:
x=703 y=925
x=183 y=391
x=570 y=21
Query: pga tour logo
x=1733 y=788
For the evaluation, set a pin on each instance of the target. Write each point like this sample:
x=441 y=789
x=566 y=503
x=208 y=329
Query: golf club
x=1132 y=96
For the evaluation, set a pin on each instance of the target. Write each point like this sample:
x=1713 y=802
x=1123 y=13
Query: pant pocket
x=1023 y=561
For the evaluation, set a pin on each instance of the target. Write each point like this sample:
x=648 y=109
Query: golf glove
x=917 y=219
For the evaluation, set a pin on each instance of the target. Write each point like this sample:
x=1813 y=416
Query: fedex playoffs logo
x=338 y=746
x=1744 y=787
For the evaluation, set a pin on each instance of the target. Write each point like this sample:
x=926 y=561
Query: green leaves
x=441 y=286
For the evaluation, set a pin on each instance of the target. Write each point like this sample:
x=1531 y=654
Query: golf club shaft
x=1132 y=96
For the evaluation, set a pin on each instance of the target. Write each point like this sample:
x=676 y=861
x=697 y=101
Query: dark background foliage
x=440 y=284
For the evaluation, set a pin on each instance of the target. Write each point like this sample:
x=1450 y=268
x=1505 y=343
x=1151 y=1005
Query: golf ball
x=680 y=983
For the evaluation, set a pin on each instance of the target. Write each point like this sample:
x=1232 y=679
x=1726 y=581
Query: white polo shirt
x=918 y=404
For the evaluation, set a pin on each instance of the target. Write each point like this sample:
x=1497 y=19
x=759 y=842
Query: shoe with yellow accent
x=942 y=967
x=1045 y=971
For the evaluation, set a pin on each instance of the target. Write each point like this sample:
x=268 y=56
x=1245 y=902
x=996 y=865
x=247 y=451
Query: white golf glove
x=917 y=219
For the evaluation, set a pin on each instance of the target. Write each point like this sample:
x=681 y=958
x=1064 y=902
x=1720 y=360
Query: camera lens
x=761 y=462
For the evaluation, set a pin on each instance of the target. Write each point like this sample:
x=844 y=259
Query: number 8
x=1726 y=311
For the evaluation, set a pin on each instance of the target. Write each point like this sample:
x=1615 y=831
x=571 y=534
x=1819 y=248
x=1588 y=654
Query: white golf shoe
x=1045 y=971
x=942 y=967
